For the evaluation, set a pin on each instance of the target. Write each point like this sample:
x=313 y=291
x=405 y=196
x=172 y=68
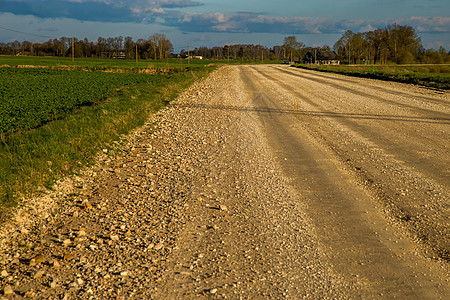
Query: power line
x=32 y=34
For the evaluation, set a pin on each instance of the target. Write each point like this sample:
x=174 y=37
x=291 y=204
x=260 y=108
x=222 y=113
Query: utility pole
x=136 y=53
x=349 y=51
x=315 y=56
x=189 y=57
x=73 y=50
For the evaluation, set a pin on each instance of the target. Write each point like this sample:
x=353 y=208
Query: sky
x=197 y=23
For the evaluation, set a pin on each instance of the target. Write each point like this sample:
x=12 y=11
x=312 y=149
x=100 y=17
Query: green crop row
x=30 y=97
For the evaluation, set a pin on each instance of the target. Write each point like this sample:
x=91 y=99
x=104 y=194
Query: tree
x=343 y=45
x=226 y=51
x=162 y=45
x=130 y=48
x=394 y=43
x=241 y=52
x=293 y=47
x=403 y=43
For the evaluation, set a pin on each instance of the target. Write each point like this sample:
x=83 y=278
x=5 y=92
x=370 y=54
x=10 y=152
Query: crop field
x=436 y=76
x=30 y=97
x=117 y=64
x=97 y=63
x=54 y=119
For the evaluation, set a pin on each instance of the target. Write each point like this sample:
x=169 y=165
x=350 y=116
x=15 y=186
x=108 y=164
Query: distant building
x=113 y=54
x=321 y=57
x=185 y=56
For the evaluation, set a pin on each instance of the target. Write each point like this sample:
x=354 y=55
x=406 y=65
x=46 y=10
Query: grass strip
x=430 y=76
x=36 y=158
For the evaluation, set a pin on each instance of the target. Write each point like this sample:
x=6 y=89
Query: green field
x=436 y=76
x=122 y=64
x=30 y=97
x=54 y=119
x=96 y=63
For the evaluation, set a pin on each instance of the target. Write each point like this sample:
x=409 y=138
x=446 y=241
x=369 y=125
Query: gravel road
x=264 y=182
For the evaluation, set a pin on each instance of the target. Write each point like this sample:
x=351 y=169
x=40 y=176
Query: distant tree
x=226 y=51
x=432 y=56
x=343 y=46
x=403 y=43
x=241 y=52
x=293 y=47
x=101 y=47
x=394 y=43
x=130 y=48
x=162 y=45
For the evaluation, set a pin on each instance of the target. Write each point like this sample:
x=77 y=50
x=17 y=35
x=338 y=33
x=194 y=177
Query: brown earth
x=258 y=182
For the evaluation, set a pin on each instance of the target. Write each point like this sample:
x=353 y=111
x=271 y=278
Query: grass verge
x=435 y=76
x=36 y=158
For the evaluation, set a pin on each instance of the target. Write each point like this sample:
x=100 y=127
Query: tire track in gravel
x=342 y=212
x=376 y=85
x=406 y=166
x=381 y=138
x=261 y=246
x=441 y=116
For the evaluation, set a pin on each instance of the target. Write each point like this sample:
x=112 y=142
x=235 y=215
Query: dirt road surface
x=260 y=182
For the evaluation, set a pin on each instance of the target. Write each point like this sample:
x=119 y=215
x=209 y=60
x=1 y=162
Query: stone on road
x=258 y=182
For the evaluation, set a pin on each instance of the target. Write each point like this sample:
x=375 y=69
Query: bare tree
x=293 y=47
x=162 y=44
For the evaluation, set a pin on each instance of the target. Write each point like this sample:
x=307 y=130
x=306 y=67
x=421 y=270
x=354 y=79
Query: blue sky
x=218 y=22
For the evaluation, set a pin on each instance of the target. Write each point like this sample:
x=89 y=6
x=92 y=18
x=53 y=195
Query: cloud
x=260 y=23
x=93 y=10
x=255 y=23
x=245 y=22
x=170 y=13
x=428 y=24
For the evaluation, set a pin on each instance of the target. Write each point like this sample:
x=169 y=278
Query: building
x=185 y=56
x=321 y=57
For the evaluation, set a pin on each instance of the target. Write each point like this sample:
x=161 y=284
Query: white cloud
x=428 y=24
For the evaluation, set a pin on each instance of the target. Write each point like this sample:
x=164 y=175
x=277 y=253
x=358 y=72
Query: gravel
x=191 y=205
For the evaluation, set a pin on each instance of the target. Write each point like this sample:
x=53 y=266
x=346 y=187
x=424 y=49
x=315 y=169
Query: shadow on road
x=325 y=114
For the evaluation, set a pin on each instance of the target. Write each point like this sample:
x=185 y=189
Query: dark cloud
x=260 y=23
x=93 y=10
x=84 y=11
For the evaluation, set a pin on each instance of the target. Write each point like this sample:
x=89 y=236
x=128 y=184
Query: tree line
x=239 y=52
x=157 y=46
x=392 y=44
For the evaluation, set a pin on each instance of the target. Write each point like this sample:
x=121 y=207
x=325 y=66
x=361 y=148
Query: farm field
x=30 y=97
x=258 y=182
x=53 y=120
x=120 y=64
x=436 y=76
x=95 y=63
